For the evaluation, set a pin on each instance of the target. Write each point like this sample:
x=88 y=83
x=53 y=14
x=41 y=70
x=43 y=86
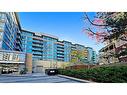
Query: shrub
x=106 y=74
x=24 y=71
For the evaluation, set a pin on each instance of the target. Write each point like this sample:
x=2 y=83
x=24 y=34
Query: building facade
x=10 y=34
x=48 y=47
x=92 y=56
x=15 y=62
x=106 y=54
x=113 y=47
x=12 y=59
x=42 y=46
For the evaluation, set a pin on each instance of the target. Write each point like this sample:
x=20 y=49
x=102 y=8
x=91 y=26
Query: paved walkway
x=34 y=78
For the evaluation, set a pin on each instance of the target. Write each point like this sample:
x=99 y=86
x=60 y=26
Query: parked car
x=10 y=71
x=51 y=71
x=5 y=71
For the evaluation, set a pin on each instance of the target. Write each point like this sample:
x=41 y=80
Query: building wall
x=10 y=34
x=114 y=47
x=27 y=42
x=60 y=51
x=41 y=65
x=12 y=60
x=42 y=46
x=46 y=47
x=67 y=51
x=94 y=57
x=106 y=54
x=90 y=54
x=49 y=48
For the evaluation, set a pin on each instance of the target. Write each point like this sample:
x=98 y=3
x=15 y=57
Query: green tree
x=78 y=56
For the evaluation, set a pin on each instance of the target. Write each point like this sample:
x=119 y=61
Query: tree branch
x=86 y=16
x=94 y=32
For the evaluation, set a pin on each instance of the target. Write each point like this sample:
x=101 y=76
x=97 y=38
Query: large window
x=12 y=57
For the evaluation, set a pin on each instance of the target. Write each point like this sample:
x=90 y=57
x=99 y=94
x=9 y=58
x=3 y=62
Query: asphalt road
x=34 y=78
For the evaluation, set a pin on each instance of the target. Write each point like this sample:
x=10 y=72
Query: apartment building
x=121 y=45
x=113 y=47
x=12 y=59
x=48 y=47
x=107 y=52
x=10 y=34
x=42 y=46
x=38 y=46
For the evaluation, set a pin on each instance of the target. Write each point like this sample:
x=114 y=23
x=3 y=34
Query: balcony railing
x=2 y=20
x=37 y=45
x=38 y=42
x=107 y=53
x=37 y=50
x=36 y=53
x=1 y=29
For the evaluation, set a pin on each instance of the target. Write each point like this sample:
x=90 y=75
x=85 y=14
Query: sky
x=65 y=25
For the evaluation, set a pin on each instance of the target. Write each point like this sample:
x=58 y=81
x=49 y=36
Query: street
x=34 y=78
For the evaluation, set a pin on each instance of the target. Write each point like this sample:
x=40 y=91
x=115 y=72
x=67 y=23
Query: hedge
x=109 y=74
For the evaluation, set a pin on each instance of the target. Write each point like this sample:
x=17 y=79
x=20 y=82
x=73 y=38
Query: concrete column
x=0 y=70
x=29 y=62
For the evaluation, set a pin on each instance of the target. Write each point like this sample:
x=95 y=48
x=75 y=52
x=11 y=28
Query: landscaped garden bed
x=104 y=74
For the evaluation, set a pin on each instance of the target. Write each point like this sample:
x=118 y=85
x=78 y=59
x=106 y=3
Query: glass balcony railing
x=60 y=52
x=34 y=49
x=2 y=20
x=37 y=45
x=37 y=53
x=38 y=42
x=60 y=47
x=1 y=29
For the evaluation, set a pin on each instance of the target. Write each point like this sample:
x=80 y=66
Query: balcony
x=60 y=56
x=18 y=44
x=107 y=53
x=60 y=47
x=2 y=20
x=41 y=50
x=1 y=29
x=73 y=49
x=37 y=45
x=37 y=38
x=60 y=51
x=18 y=49
x=59 y=59
x=19 y=40
x=38 y=42
x=36 y=53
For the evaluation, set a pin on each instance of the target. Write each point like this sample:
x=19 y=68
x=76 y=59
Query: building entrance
x=40 y=69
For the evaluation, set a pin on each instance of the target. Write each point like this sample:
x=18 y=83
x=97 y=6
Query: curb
x=14 y=75
x=76 y=79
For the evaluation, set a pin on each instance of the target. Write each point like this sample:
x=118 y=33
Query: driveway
x=35 y=78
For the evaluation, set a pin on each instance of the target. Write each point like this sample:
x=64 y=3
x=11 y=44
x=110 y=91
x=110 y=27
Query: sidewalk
x=76 y=79
x=23 y=75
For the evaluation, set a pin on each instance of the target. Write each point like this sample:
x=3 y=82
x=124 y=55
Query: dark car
x=10 y=71
x=4 y=71
x=51 y=71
